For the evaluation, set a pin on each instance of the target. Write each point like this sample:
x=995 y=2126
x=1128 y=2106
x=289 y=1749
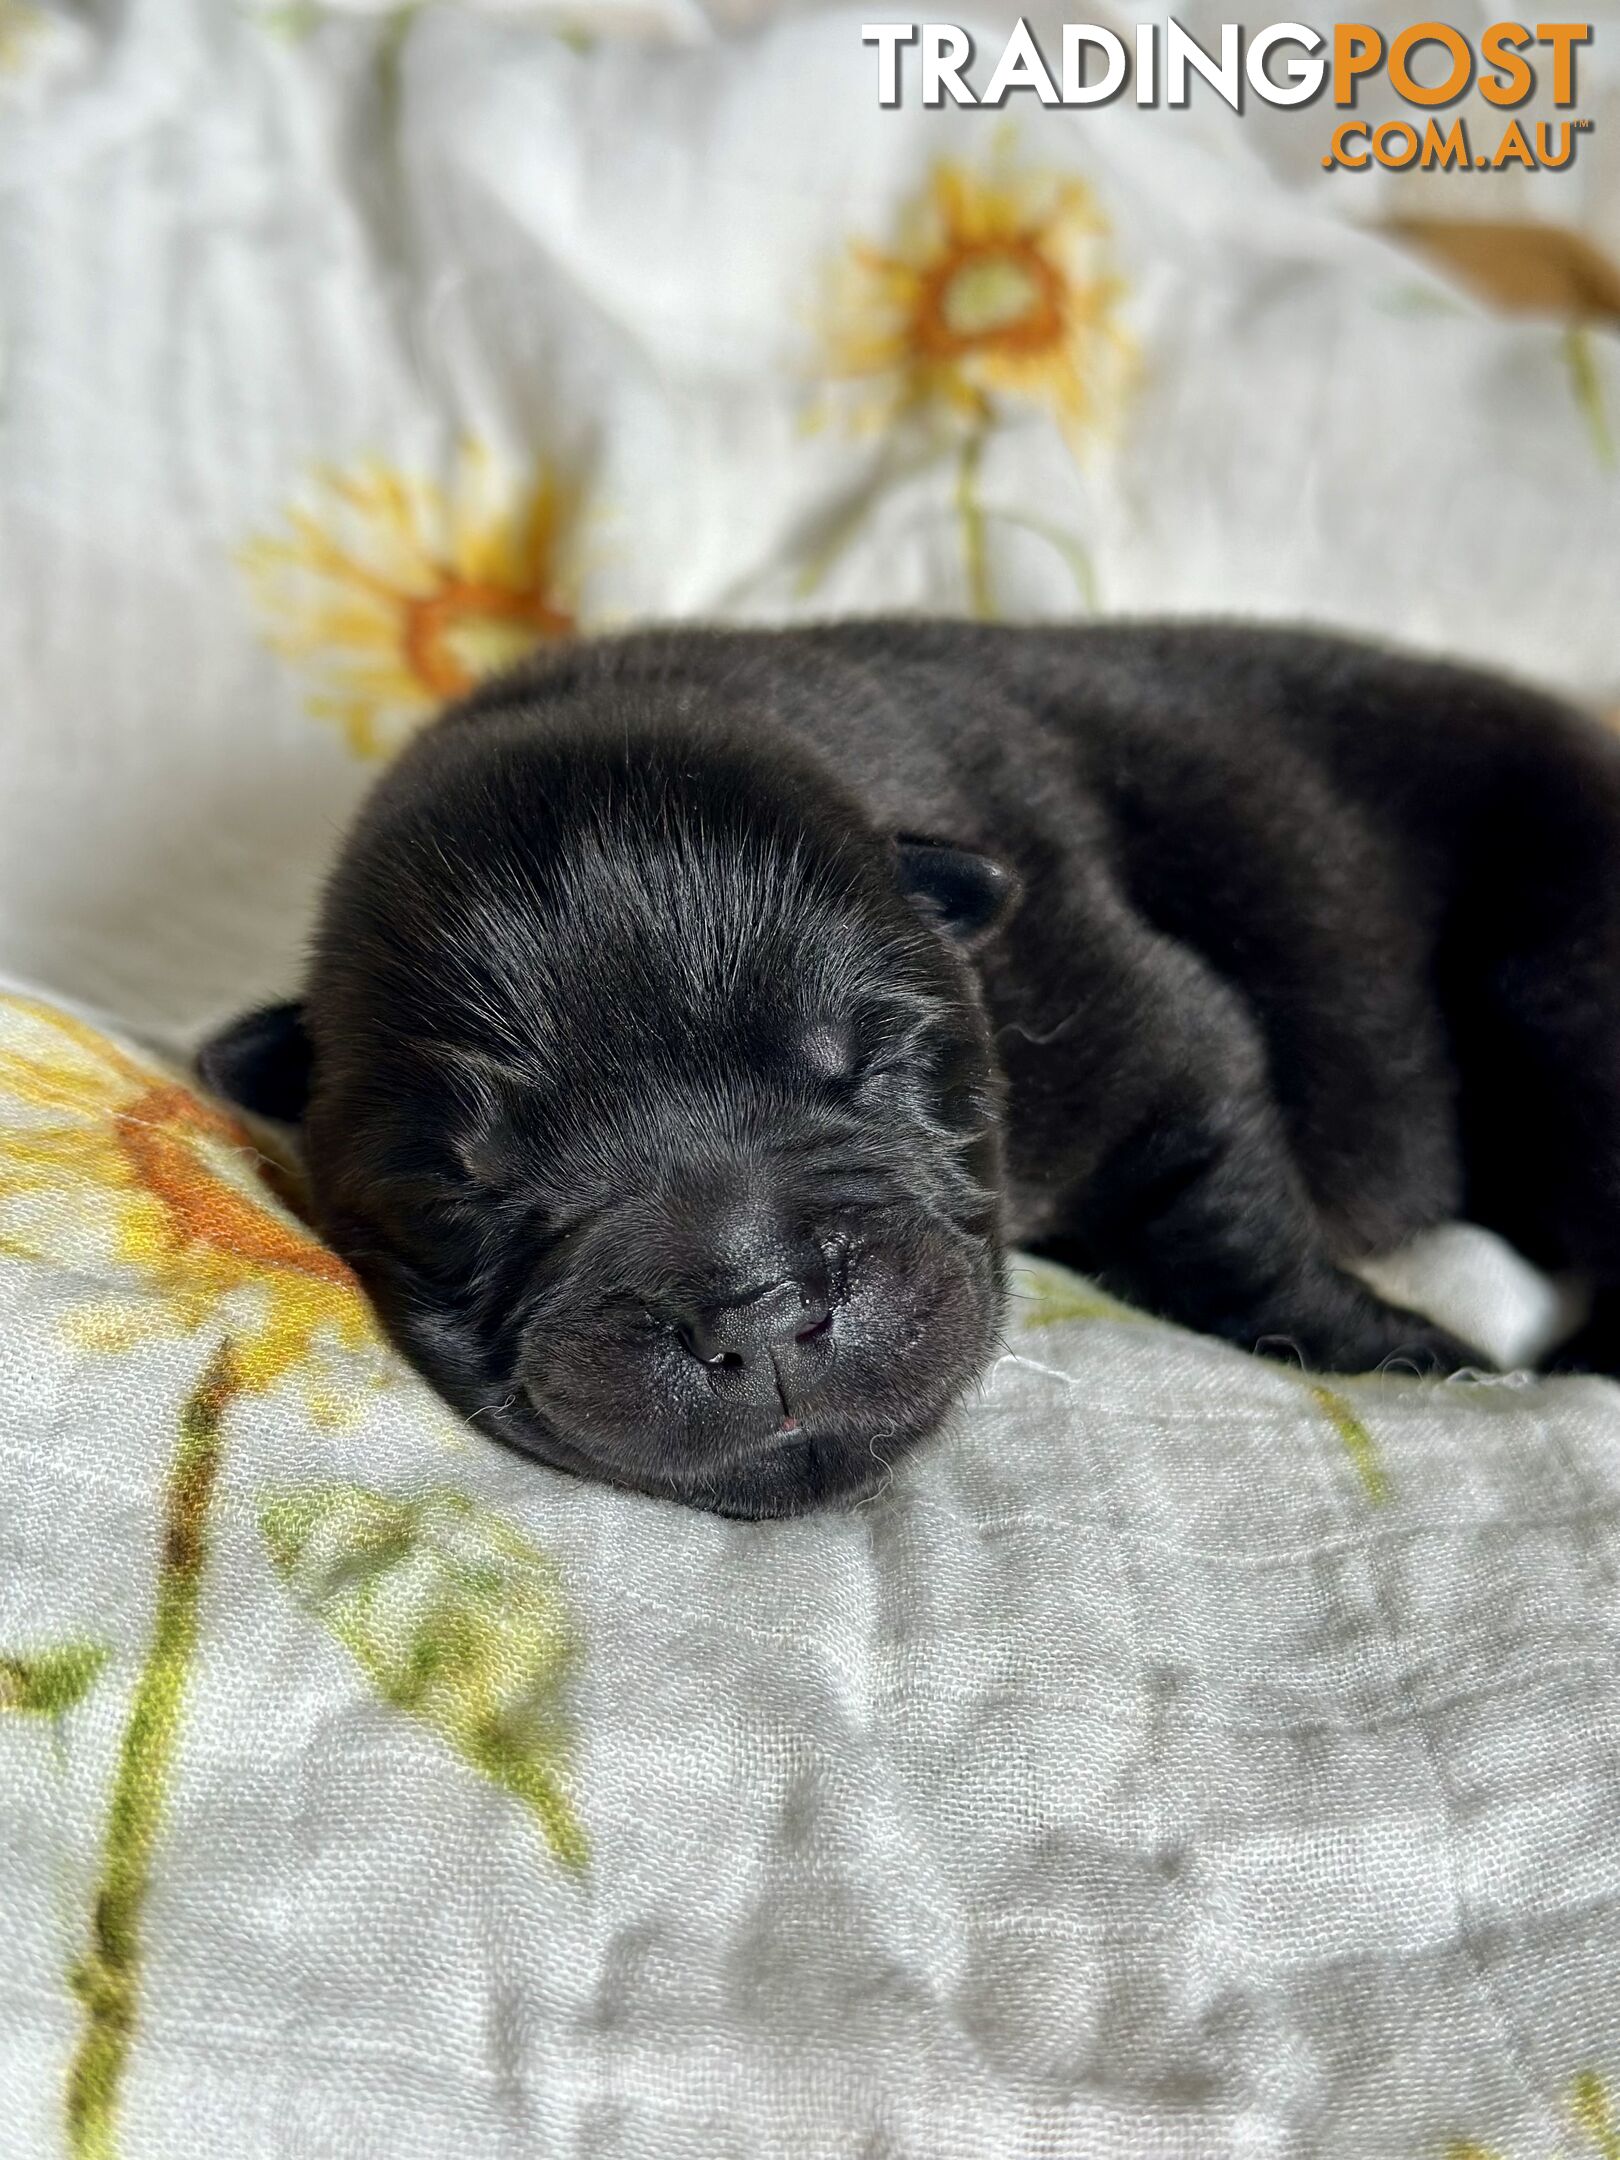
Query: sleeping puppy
x=695 y=1016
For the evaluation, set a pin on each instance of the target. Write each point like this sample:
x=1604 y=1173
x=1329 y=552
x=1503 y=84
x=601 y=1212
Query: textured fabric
x=1178 y=1758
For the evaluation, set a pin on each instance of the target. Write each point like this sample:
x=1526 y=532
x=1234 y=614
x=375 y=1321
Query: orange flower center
x=990 y=293
x=467 y=629
x=202 y=1208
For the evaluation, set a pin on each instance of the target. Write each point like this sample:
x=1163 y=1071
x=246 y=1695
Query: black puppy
x=693 y=1016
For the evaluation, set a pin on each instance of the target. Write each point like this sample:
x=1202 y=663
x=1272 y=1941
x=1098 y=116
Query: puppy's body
x=1309 y=946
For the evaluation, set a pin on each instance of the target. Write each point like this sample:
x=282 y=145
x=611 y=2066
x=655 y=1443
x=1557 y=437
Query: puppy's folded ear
x=262 y=1062
x=965 y=893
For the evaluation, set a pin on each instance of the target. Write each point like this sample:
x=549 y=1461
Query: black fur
x=695 y=1015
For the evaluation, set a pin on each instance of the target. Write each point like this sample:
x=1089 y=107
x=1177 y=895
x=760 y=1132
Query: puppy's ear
x=490 y=1098
x=966 y=894
x=261 y=1062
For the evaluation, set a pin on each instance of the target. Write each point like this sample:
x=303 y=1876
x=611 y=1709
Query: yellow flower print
x=997 y=286
x=996 y=291
x=162 y=1195
x=111 y=1167
x=399 y=595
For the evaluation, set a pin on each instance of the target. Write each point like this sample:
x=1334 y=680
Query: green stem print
x=106 y=1979
x=839 y=532
x=1046 y=1296
x=1594 y=2118
x=393 y=29
x=1043 y=1295
x=1586 y=378
x=827 y=538
x=1073 y=551
x=49 y=1683
x=970 y=516
x=1359 y=1443
x=453 y=1617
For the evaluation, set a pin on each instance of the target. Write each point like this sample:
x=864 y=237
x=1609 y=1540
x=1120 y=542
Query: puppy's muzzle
x=766 y=1345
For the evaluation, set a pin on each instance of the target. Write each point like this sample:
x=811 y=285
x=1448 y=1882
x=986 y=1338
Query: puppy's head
x=649 y=1092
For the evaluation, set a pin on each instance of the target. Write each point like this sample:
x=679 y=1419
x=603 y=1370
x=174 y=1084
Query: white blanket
x=1178 y=1758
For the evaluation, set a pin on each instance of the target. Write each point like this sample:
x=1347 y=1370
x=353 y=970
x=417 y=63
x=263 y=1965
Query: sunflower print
x=397 y=595
x=997 y=289
x=995 y=294
x=110 y=1167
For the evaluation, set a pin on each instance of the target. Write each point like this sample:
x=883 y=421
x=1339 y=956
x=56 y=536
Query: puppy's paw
x=1360 y=1333
x=1417 y=1347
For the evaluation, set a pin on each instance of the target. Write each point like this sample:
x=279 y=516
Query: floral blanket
x=1182 y=1757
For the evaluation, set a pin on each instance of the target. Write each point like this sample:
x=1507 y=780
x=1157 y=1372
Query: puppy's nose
x=746 y=1332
